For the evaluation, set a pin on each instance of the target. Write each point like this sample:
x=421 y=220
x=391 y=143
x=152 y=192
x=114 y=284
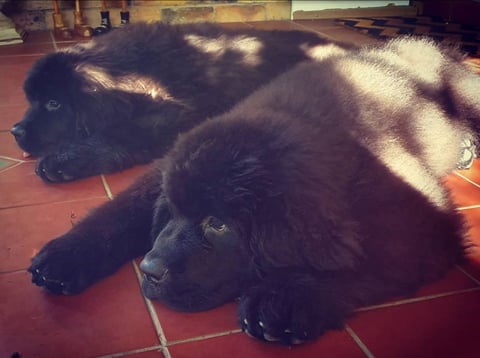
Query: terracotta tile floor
x=113 y=319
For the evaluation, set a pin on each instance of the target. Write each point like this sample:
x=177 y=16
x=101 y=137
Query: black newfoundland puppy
x=320 y=193
x=122 y=99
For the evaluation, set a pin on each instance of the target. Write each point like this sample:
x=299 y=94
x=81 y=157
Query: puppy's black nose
x=153 y=270
x=17 y=131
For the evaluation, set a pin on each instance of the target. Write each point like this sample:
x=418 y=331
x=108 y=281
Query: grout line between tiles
x=159 y=329
x=13 y=271
x=358 y=341
x=134 y=351
x=417 y=299
x=461 y=208
x=153 y=314
x=10 y=167
x=468 y=275
x=466 y=179
x=33 y=54
x=51 y=202
x=203 y=337
x=13 y=159
x=106 y=186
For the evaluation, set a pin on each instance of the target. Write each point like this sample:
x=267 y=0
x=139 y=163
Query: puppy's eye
x=52 y=105
x=215 y=224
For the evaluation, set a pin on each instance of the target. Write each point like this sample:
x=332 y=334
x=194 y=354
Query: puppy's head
x=53 y=90
x=240 y=203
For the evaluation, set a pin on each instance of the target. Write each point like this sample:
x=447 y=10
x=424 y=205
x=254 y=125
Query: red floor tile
x=181 y=325
x=12 y=72
x=336 y=344
x=26 y=49
x=26 y=229
x=20 y=187
x=473 y=173
x=107 y=318
x=442 y=328
x=11 y=115
x=472 y=268
x=39 y=37
x=455 y=280
x=8 y=147
x=462 y=192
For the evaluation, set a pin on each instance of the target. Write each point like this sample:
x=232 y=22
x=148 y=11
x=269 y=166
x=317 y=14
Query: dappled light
x=248 y=48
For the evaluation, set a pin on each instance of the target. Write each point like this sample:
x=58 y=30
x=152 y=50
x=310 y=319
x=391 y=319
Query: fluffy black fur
x=318 y=194
x=122 y=99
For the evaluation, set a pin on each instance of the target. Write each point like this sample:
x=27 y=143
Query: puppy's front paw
x=289 y=314
x=58 y=168
x=62 y=267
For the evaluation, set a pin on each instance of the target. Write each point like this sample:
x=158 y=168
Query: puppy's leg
x=98 y=245
x=294 y=308
x=88 y=158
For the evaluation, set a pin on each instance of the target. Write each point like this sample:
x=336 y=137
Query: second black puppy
x=121 y=99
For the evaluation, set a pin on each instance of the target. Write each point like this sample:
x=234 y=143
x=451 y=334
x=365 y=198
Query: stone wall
x=37 y=14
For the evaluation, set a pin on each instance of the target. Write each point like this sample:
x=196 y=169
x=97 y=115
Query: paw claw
x=270 y=338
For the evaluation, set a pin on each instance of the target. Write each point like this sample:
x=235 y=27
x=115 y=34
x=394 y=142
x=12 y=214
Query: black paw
x=288 y=314
x=63 y=267
x=57 y=168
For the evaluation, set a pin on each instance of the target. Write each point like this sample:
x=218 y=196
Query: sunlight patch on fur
x=248 y=47
x=375 y=84
x=468 y=88
x=412 y=171
x=432 y=124
x=322 y=52
x=420 y=58
x=132 y=83
x=380 y=89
